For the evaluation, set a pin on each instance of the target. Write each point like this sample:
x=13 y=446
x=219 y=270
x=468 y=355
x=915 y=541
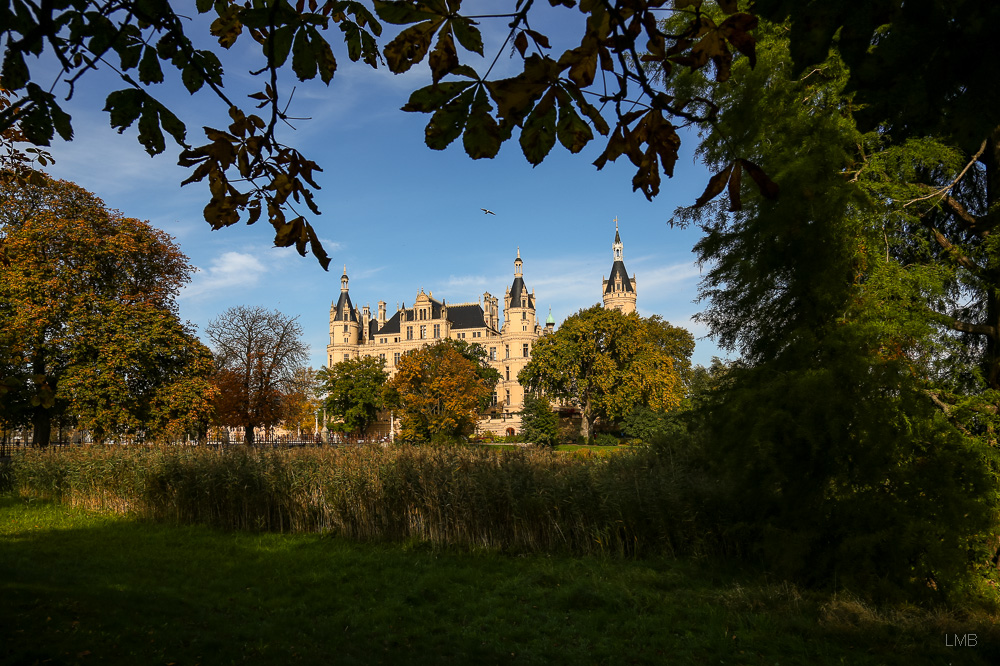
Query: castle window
x=493 y=353
x=423 y=332
x=524 y=315
x=382 y=356
x=395 y=358
x=437 y=330
x=506 y=351
x=508 y=373
x=409 y=332
x=508 y=396
x=347 y=357
x=494 y=403
x=525 y=347
x=345 y=328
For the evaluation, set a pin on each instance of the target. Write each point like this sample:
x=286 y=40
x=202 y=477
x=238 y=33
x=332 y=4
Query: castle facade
x=355 y=332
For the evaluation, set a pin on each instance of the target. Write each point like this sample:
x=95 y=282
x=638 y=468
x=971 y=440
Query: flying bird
x=487 y=212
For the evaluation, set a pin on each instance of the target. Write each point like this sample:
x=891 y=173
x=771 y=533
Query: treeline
x=91 y=340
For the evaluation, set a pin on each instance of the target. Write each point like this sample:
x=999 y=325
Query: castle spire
x=343 y=279
x=617 y=247
x=517 y=263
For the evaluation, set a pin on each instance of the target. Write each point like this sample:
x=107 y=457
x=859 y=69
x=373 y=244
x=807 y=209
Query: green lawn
x=80 y=588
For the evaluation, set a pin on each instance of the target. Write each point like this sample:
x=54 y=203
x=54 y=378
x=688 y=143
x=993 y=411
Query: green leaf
x=431 y=98
x=443 y=58
x=402 y=13
x=192 y=78
x=410 y=46
x=124 y=107
x=149 y=67
x=482 y=135
x=447 y=123
x=572 y=131
x=281 y=40
x=15 y=70
x=150 y=135
x=467 y=34
x=539 y=133
x=303 y=59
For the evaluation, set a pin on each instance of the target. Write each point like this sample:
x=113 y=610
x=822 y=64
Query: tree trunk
x=41 y=422
x=587 y=424
x=248 y=434
x=991 y=160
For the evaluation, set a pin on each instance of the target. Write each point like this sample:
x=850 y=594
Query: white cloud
x=231 y=269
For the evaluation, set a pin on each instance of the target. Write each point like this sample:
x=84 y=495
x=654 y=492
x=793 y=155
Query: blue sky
x=400 y=216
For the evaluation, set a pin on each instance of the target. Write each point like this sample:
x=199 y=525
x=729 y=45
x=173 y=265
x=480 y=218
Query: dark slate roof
x=372 y=328
x=466 y=316
x=618 y=239
x=618 y=269
x=345 y=309
x=392 y=325
x=516 y=290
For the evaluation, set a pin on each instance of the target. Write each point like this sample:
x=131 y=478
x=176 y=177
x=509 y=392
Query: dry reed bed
x=520 y=500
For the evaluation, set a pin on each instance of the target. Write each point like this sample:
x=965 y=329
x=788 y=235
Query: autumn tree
x=257 y=352
x=354 y=392
x=302 y=401
x=88 y=322
x=608 y=362
x=440 y=391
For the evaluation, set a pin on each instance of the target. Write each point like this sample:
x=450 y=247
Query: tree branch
x=947 y=188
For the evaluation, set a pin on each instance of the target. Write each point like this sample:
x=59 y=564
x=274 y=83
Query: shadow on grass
x=82 y=588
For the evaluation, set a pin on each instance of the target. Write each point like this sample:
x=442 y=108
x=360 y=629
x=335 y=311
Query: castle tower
x=519 y=332
x=345 y=327
x=619 y=289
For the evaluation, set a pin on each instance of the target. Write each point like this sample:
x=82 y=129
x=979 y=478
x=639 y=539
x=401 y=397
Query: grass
x=80 y=587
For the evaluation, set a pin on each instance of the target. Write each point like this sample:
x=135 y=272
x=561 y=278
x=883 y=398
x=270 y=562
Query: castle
x=354 y=332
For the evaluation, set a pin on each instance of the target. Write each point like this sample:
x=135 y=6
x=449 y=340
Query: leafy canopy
x=440 y=391
x=608 y=362
x=354 y=392
x=89 y=331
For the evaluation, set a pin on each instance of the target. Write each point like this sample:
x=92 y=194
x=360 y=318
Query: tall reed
x=521 y=500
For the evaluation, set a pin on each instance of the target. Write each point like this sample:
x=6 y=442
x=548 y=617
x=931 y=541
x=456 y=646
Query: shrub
x=605 y=439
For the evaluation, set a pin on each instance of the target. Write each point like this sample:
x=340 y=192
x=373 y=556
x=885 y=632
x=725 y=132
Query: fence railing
x=13 y=446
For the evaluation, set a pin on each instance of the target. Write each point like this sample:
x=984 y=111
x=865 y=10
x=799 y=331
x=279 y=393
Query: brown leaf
x=715 y=185
x=768 y=188
x=734 y=188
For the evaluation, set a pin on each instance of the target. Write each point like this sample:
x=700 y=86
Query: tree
x=608 y=362
x=440 y=391
x=828 y=432
x=354 y=392
x=302 y=402
x=258 y=352
x=539 y=424
x=88 y=322
x=251 y=172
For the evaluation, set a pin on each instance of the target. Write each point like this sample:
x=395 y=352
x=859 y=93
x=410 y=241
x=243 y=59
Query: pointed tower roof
x=618 y=267
x=517 y=289
x=344 y=308
x=550 y=319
